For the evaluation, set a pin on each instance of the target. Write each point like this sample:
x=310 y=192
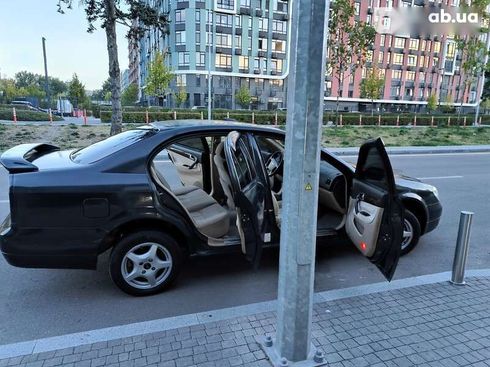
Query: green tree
x=138 y=16
x=348 y=43
x=25 y=79
x=372 y=86
x=448 y=106
x=243 y=97
x=159 y=77
x=473 y=52
x=8 y=90
x=180 y=97
x=76 y=92
x=432 y=103
x=130 y=95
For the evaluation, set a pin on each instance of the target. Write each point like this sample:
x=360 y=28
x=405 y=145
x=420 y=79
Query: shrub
x=24 y=115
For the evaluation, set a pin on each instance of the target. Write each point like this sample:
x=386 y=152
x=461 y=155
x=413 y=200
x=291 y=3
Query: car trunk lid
x=20 y=158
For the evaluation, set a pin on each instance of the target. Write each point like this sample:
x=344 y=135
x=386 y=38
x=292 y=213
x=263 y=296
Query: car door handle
x=359 y=199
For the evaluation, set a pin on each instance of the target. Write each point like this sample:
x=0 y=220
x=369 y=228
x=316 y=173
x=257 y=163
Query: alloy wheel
x=146 y=265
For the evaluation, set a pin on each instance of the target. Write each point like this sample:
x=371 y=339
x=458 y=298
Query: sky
x=70 y=49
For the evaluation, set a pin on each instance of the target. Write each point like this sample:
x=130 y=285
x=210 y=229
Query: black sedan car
x=159 y=193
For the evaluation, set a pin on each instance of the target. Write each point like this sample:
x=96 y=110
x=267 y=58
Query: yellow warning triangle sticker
x=308 y=187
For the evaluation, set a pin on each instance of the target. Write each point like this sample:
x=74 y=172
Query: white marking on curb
x=154 y=326
x=439 y=177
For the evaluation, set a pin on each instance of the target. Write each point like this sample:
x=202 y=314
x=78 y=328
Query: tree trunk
x=114 y=71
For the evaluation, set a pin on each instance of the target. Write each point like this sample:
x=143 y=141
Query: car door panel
x=250 y=191
x=375 y=214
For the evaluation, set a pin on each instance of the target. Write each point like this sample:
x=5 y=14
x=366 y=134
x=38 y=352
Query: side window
x=181 y=163
x=242 y=164
x=373 y=169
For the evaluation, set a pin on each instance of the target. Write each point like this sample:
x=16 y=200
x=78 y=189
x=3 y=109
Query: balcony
x=238 y=51
x=245 y=10
x=258 y=12
x=238 y=31
x=263 y=34
x=262 y=53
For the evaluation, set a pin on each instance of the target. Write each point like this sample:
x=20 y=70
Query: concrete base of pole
x=267 y=344
x=456 y=283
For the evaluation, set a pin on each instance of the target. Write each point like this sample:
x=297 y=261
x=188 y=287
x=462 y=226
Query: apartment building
x=246 y=43
x=413 y=67
x=237 y=42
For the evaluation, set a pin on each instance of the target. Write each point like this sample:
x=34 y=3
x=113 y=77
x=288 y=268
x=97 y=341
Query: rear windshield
x=106 y=147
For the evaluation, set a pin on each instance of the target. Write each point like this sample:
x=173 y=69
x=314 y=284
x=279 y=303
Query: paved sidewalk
x=427 y=324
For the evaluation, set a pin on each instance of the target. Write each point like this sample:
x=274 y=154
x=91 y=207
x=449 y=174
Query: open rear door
x=250 y=190
x=375 y=216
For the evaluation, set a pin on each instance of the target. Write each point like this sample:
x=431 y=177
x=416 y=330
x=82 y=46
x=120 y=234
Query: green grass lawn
x=74 y=136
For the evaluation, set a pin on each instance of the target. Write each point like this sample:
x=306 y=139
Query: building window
x=224 y=20
x=278 y=46
x=281 y=6
x=223 y=61
x=421 y=61
x=422 y=77
x=399 y=42
x=183 y=58
x=201 y=59
x=382 y=39
x=398 y=59
x=180 y=38
x=238 y=21
x=264 y=24
x=180 y=16
x=243 y=62
x=276 y=65
x=245 y=3
x=435 y=61
x=396 y=74
x=223 y=40
x=411 y=75
x=198 y=15
x=279 y=26
x=380 y=57
x=225 y=4
x=263 y=44
x=412 y=60
x=357 y=8
x=257 y=63
x=238 y=41
x=181 y=80
x=250 y=43
x=414 y=44
x=437 y=46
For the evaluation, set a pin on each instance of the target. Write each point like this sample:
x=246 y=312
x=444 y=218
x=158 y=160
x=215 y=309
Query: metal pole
x=301 y=179
x=482 y=82
x=48 y=95
x=462 y=245
x=210 y=49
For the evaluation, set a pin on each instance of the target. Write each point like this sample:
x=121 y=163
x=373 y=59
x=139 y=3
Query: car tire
x=145 y=263
x=411 y=232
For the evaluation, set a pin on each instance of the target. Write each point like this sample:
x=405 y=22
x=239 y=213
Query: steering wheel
x=274 y=162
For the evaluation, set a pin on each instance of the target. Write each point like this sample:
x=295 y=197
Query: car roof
x=202 y=125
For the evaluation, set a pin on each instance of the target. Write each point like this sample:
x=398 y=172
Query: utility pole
x=301 y=180
x=48 y=95
x=210 y=52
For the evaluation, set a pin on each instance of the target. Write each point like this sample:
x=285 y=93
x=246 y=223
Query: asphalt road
x=40 y=303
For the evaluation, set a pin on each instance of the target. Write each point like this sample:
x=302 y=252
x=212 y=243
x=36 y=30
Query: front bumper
x=434 y=216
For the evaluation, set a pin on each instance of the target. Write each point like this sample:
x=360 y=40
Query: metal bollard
x=462 y=245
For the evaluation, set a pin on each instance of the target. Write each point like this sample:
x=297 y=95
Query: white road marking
x=435 y=154
x=439 y=177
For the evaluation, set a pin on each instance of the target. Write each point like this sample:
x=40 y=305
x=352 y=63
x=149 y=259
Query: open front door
x=375 y=216
x=250 y=190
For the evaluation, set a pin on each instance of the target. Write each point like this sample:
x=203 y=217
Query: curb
x=141 y=328
x=418 y=150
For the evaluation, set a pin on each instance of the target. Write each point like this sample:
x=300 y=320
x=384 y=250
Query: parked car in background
x=154 y=195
